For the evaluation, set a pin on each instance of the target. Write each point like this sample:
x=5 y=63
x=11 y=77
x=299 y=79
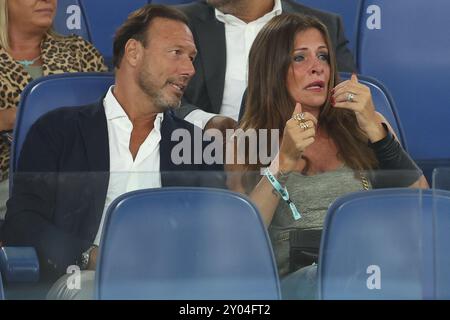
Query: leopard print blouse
x=59 y=55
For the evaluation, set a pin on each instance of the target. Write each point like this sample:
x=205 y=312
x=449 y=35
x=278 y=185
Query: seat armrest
x=19 y=264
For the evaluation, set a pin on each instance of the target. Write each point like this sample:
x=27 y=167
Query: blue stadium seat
x=383 y=101
x=19 y=267
x=103 y=17
x=349 y=10
x=95 y=20
x=411 y=59
x=185 y=243
x=19 y=264
x=48 y=93
x=380 y=244
x=70 y=19
x=39 y=97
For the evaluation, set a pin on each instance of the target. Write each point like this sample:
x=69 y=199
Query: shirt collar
x=113 y=110
x=230 y=19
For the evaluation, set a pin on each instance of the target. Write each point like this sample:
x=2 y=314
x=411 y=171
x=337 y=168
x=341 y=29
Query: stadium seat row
x=378 y=244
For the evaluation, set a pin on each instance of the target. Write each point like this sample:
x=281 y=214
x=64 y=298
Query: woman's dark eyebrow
x=304 y=49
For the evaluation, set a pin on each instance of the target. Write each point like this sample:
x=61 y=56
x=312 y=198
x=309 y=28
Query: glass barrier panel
x=340 y=234
x=441 y=178
x=441 y=235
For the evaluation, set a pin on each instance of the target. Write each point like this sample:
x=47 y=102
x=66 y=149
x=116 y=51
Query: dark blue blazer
x=62 y=179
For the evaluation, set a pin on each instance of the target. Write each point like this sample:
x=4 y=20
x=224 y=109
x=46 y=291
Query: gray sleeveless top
x=312 y=195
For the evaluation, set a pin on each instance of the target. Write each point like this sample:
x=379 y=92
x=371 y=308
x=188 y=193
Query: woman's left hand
x=352 y=95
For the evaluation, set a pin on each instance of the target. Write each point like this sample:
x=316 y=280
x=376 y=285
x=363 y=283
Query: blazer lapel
x=94 y=132
x=211 y=41
x=166 y=166
x=166 y=144
x=172 y=174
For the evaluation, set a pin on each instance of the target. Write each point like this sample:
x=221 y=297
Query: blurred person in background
x=224 y=31
x=29 y=49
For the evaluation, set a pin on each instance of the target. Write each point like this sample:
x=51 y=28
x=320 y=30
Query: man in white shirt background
x=224 y=31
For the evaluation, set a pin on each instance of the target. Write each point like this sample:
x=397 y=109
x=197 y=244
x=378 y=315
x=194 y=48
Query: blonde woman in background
x=29 y=49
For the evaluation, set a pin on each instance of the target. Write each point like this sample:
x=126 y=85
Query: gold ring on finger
x=299 y=116
x=303 y=125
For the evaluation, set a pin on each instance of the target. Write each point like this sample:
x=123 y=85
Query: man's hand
x=221 y=123
x=92 y=259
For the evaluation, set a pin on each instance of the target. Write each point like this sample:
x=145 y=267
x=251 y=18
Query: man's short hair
x=136 y=26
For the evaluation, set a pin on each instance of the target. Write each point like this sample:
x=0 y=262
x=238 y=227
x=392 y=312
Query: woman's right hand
x=296 y=139
x=7 y=119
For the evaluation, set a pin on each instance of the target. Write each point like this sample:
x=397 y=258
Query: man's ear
x=133 y=52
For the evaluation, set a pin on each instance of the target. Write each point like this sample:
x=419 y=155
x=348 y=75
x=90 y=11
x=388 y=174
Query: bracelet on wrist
x=282 y=191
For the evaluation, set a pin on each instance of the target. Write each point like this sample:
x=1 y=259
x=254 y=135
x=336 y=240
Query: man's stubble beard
x=155 y=94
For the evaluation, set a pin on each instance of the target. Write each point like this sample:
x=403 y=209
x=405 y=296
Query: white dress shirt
x=127 y=174
x=239 y=37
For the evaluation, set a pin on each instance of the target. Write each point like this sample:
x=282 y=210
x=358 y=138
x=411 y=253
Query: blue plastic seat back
x=70 y=19
x=185 y=243
x=52 y=92
x=410 y=59
x=349 y=10
x=378 y=245
x=103 y=17
x=19 y=264
x=384 y=103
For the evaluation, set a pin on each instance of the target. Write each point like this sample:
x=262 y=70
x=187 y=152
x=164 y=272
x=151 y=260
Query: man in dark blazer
x=206 y=89
x=63 y=178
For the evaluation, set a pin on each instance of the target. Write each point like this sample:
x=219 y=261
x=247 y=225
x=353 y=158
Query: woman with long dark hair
x=332 y=141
